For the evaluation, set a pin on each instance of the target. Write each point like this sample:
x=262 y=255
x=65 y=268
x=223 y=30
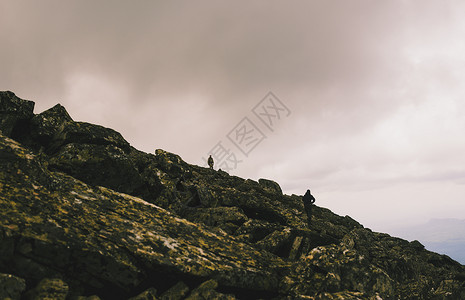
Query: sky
x=359 y=101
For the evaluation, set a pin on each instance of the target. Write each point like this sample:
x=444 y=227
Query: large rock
x=150 y=294
x=45 y=129
x=226 y=218
x=11 y=287
x=270 y=185
x=414 y=270
x=104 y=165
x=334 y=269
x=207 y=291
x=14 y=113
x=176 y=292
x=49 y=288
x=54 y=128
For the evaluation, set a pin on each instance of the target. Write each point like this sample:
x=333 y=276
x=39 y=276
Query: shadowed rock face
x=14 y=112
x=82 y=213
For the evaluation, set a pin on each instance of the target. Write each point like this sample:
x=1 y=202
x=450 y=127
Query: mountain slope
x=439 y=235
x=84 y=213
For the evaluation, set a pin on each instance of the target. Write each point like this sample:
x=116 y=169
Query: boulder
x=335 y=269
x=103 y=165
x=270 y=186
x=207 y=291
x=86 y=133
x=176 y=292
x=11 y=287
x=54 y=128
x=149 y=294
x=49 y=288
x=14 y=113
x=45 y=129
x=226 y=218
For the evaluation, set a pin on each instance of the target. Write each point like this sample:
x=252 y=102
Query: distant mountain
x=446 y=236
x=84 y=215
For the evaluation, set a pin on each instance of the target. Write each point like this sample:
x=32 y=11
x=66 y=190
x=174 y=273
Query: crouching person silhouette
x=308 y=200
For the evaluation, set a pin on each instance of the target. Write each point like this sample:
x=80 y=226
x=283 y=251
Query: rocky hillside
x=83 y=215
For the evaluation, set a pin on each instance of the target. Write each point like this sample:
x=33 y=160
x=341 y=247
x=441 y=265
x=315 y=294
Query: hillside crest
x=84 y=215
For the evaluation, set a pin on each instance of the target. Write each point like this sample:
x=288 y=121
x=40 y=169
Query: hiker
x=308 y=200
x=210 y=162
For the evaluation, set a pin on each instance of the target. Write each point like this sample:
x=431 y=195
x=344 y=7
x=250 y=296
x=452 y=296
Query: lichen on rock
x=84 y=215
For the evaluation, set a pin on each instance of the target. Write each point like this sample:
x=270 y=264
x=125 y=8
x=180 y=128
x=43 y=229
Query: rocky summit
x=84 y=215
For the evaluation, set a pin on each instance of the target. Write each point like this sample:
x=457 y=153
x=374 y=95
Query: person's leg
x=309 y=216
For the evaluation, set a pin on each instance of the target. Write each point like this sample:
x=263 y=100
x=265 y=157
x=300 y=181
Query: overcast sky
x=370 y=94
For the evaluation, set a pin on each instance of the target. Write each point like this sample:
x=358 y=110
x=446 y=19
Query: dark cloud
x=206 y=46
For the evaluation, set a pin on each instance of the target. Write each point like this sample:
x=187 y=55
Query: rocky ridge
x=84 y=215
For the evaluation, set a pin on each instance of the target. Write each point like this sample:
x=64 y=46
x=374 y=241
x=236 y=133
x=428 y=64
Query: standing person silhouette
x=210 y=162
x=308 y=200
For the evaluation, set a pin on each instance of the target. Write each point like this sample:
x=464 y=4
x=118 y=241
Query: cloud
x=207 y=46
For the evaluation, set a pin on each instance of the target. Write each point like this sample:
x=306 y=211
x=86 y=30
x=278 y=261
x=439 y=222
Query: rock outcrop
x=14 y=113
x=83 y=215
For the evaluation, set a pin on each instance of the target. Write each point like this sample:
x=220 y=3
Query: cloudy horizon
x=374 y=90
